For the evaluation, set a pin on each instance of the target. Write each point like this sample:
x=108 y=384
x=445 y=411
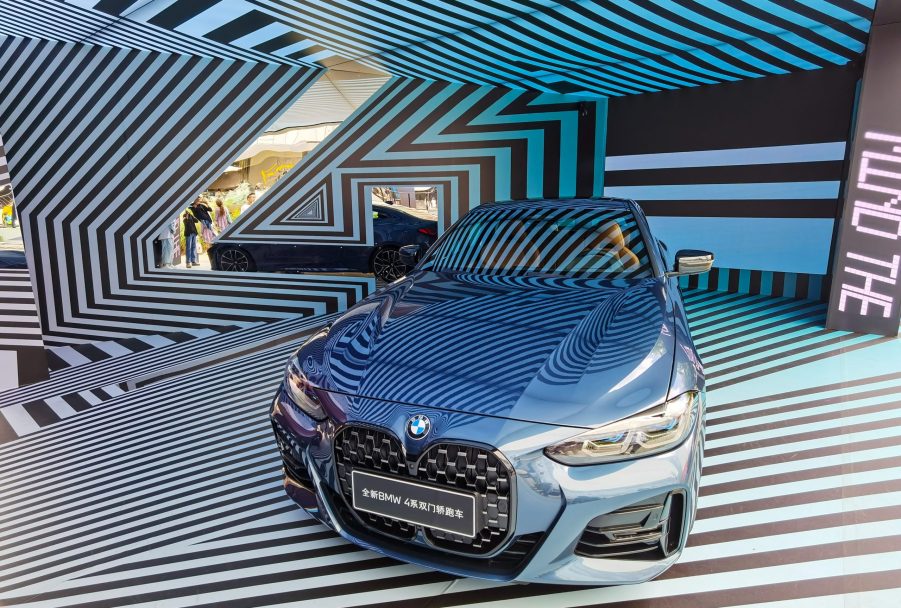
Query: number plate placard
x=416 y=503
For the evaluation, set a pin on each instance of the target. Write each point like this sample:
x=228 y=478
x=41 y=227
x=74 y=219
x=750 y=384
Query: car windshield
x=522 y=240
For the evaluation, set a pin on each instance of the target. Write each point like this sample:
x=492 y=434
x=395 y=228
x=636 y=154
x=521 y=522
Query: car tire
x=235 y=259
x=385 y=264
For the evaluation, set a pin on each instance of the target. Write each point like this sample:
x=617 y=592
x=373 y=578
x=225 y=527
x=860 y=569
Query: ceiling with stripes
x=610 y=48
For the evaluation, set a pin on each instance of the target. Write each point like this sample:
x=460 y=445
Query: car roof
x=422 y=215
x=564 y=203
x=388 y=207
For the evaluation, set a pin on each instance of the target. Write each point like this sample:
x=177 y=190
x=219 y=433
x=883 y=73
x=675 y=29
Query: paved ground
x=11 y=238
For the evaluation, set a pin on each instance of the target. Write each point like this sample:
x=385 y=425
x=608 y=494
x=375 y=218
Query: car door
x=324 y=257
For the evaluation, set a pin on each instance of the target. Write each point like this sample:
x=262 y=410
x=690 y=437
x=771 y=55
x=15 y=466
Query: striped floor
x=78 y=387
x=19 y=325
x=169 y=495
x=64 y=357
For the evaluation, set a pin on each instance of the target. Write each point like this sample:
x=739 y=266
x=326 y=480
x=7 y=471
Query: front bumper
x=554 y=503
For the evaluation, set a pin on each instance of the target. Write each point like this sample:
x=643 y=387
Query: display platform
x=169 y=494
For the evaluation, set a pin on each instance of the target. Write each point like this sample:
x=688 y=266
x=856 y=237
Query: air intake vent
x=647 y=530
x=290 y=451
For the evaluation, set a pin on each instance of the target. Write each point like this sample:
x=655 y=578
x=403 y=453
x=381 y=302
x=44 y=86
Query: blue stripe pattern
x=619 y=47
x=593 y=328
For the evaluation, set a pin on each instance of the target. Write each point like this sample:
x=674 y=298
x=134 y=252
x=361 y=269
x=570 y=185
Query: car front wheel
x=235 y=260
x=386 y=264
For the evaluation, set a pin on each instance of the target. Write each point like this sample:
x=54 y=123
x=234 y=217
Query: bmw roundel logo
x=418 y=426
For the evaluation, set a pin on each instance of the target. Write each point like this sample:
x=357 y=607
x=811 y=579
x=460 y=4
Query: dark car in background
x=393 y=227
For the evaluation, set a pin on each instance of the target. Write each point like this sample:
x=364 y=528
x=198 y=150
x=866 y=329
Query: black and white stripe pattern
x=475 y=144
x=68 y=22
x=5 y=189
x=79 y=387
x=219 y=48
x=22 y=357
x=69 y=111
x=21 y=419
x=18 y=312
x=65 y=357
x=764 y=282
x=614 y=48
x=108 y=376
x=799 y=506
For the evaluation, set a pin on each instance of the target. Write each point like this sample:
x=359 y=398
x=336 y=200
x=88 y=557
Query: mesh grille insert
x=370 y=450
x=479 y=471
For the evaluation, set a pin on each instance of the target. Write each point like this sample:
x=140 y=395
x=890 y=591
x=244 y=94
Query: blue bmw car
x=525 y=405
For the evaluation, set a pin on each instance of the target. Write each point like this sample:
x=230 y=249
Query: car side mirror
x=691 y=261
x=410 y=254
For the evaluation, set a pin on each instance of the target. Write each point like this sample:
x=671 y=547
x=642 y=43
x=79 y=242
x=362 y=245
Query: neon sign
x=882 y=220
x=867 y=269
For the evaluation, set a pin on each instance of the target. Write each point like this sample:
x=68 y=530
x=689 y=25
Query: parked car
x=526 y=404
x=392 y=227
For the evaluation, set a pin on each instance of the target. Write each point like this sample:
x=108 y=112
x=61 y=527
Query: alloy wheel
x=387 y=266
x=234 y=260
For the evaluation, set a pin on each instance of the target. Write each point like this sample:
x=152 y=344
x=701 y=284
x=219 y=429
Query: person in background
x=250 y=199
x=190 y=223
x=167 y=238
x=223 y=219
x=176 y=239
x=203 y=213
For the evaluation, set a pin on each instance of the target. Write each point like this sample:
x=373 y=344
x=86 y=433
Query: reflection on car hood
x=551 y=350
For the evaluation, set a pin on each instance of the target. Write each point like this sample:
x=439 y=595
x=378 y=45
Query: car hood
x=550 y=350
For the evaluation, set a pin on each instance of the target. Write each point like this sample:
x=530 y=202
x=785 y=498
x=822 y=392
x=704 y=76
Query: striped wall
x=95 y=172
x=751 y=170
x=476 y=144
x=22 y=358
x=5 y=188
x=763 y=282
x=619 y=47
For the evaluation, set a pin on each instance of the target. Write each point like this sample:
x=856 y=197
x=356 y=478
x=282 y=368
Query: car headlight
x=650 y=432
x=301 y=392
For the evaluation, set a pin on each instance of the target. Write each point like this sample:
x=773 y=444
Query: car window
x=583 y=243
